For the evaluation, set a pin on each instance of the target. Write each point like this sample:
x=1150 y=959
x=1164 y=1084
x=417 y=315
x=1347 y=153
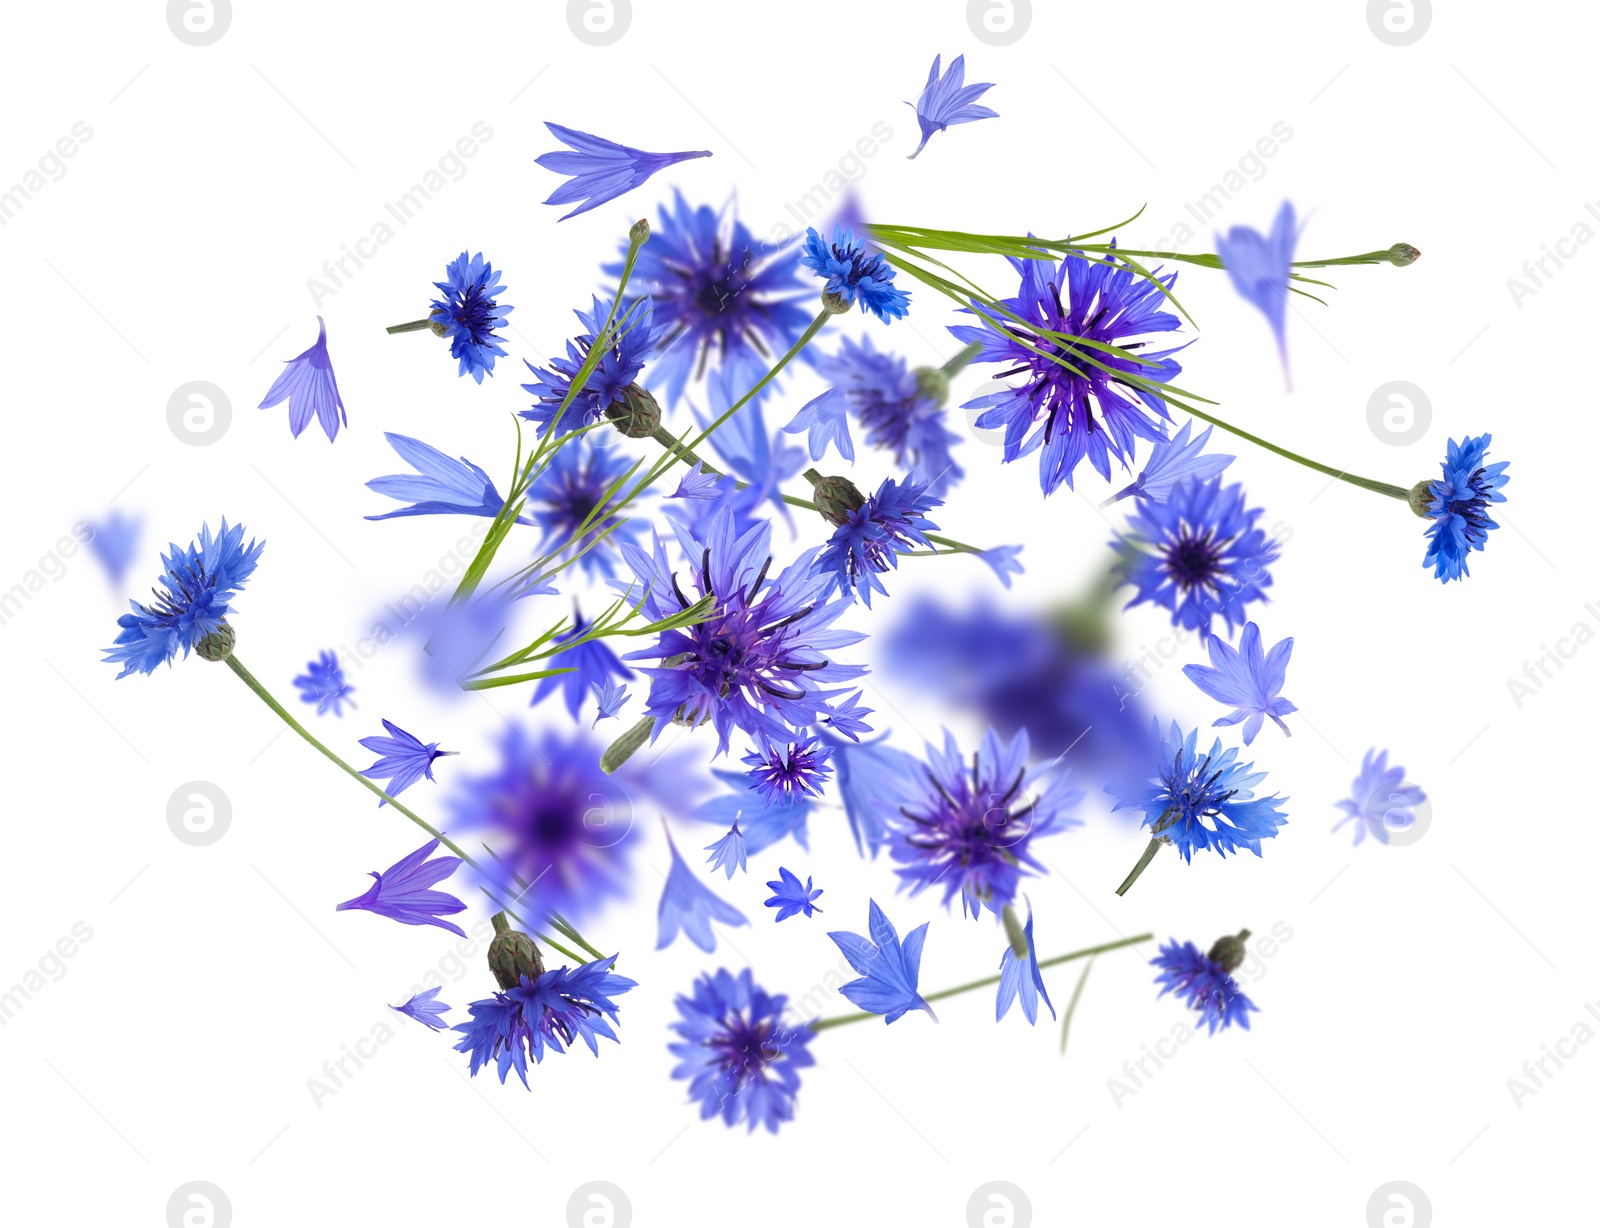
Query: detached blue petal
x=689 y=905
x=1246 y=679
x=1259 y=266
x=601 y=170
x=790 y=896
x=402 y=893
x=888 y=967
x=945 y=100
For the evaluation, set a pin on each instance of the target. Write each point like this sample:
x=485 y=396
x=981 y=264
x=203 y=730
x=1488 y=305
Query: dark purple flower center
x=971 y=826
x=474 y=311
x=743 y=1048
x=1470 y=505
x=738 y=649
x=1192 y=794
x=1194 y=559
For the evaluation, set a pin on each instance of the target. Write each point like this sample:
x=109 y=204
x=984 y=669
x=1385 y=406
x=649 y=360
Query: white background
x=177 y=1043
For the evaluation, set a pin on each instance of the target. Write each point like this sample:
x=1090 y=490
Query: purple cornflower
x=1457 y=504
x=633 y=335
x=403 y=758
x=601 y=170
x=855 y=272
x=469 y=313
x=425 y=1009
x=790 y=896
x=308 y=384
x=1205 y=982
x=889 y=968
x=590 y=664
x=1247 y=679
x=780 y=772
x=323 y=684
x=946 y=100
x=1259 y=266
x=1381 y=801
x=402 y=892
x=579 y=482
x=872 y=537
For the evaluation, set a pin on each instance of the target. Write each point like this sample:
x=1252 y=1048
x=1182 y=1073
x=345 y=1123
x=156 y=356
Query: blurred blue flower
x=1204 y=983
x=741 y=1059
x=825 y=420
x=1002 y=560
x=469 y=313
x=323 y=684
x=763 y=823
x=854 y=273
x=1259 y=266
x=403 y=891
x=873 y=780
x=780 y=772
x=601 y=170
x=308 y=384
x=728 y=853
x=565 y=498
x=1174 y=461
x=888 y=968
x=114 y=541
x=609 y=698
x=1459 y=505
x=590 y=665
x=888 y=523
x=1380 y=799
x=696 y=484
x=750 y=453
x=1020 y=978
x=403 y=758
x=424 y=1009
x=790 y=896
x=441 y=486
x=634 y=335
x=946 y=100
x=689 y=905
x=1246 y=679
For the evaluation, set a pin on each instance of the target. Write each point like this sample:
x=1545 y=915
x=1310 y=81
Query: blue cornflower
x=721 y=294
x=1197 y=801
x=779 y=773
x=404 y=759
x=1381 y=800
x=550 y=1010
x=1259 y=266
x=1173 y=461
x=608 y=699
x=440 y=486
x=873 y=779
x=424 y=1009
x=1457 y=506
x=855 y=273
x=1199 y=554
x=824 y=420
x=1205 y=983
x=403 y=891
x=789 y=896
x=469 y=313
x=1075 y=402
x=740 y=1058
x=728 y=853
x=689 y=905
x=945 y=100
x=191 y=600
x=759 y=663
x=308 y=384
x=888 y=968
x=589 y=665
x=634 y=334
x=970 y=824
x=601 y=170
x=323 y=684
x=114 y=541
x=1020 y=977
x=1246 y=679
x=562 y=500
x=871 y=537
x=764 y=823
x=899 y=411
x=1002 y=560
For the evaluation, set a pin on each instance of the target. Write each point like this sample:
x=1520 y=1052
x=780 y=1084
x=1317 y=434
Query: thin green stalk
x=839 y=1020
x=1382 y=488
x=414 y=326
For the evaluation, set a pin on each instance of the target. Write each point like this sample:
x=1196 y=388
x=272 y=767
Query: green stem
x=1382 y=488
x=961 y=358
x=415 y=326
x=1148 y=855
x=565 y=927
x=839 y=1020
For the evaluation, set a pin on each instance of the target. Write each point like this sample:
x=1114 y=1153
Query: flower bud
x=1228 y=953
x=1402 y=254
x=637 y=415
x=218 y=646
x=835 y=497
x=512 y=955
x=639 y=232
x=436 y=324
x=932 y=385
x=834 y=304
x=1420 y=499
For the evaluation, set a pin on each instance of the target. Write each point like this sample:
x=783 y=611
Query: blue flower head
x=601 y=170
x=1457 y=504
x=402 y=757
x=1249 y=680
x=872 y=537
x=1205 y=982
x=946 y=100
x=889 y=968
x=633 y=336
x=425 y=1009
x=854 y=272
x=780 y=773
x=404 y=892
x=790 y=896
x=191 y=600
x=741 y=1058
x=1259 y=266
x=323 y=684
x=1075 y=401
x=440 y=486
x=308 y=384
x=469 y=313
x=565 y=498
x=689 y=905
x=1200 y=555
x=1381 y=800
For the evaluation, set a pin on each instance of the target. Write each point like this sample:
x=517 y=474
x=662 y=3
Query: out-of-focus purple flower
x=403 y=891
x=854 y=273
x=824 y=420
x=697 y=484
x=441 y=486
x=469 y=313
x=763 y=823
x=591 y=664
x=601 y=170
x=888 y=967
x=548 y=1011
x=1002 y=560
x=634 y=335
x=114 y=541
x=565 y=498
x=791 y=896
x=871 y=537
x=946 y=100
x=308 y=384
x=779 y=772
x=1259 y=266
x=728 y=853
x=425 y=1009
x=1174 y=461
x=608 y=698
x=1205 y=984
x=323 y=684
x=403 y=758
x=1380 y=801
x=1020 y=978
x=874 y=780
x=1246 y=679
x=689 y=905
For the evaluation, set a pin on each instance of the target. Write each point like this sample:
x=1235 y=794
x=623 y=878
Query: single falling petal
x=1381 y=800
x=791 y=896
x=824 y=420
x=697 y=484
x=601 y=170
x=307 y=382
x=1003 y=561
x=1246 y=679
x=728 y=853
x=689 y=905
x=402 y=892
x=1020 y=978
x=1259 y=266
x=114 y=541
x=608 y=697
x=946 y=100
x=424 y=1008
x=402 y=758
x=1173 y=461
x=440 y=486
x=888 y=967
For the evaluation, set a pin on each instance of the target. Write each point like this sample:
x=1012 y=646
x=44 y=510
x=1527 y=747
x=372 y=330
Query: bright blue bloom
x=689 y=905
x=1246 y=679
x=634 y=335
x=1380 y=799
x=469 y=313
x=403 y=892
x=789 y=896
x=404 y=759
x=1259 y=266
x=550 y=1010
x=323 y=684
x=824 y=420
x=609 y=698
x=855 y=273
x=762 y=823
x=740 y=1058
x=1075 y=402
x=873 y=780
x=564 y=497
x=778 y=773
x=191 y=599
x=728 y=853
x=424 y=1009
x=591 y=664
x=1461 y=522
x=1002 y=560
x=888 y=968
x=114 y=542
x=1019 y=979
x=308 y=384
x=760 y=663
x=1199 y=554
x=874 y=535
x=969 y=824
x=898 y=411
x=1207 y=986
x=1199 y=801
x=718 y=299
x=441 y=486
x=601 y=170
x=696 y=484
x=1173 y=461
x=945 y=100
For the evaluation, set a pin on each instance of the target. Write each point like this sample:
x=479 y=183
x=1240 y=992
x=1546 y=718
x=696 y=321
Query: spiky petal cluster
x=191 y=599
x=778 y=773
x=946 y=99
x=469 y=312
x=1204 y=985
x=1075 y=400
x=634 y=334
x=874 y=535
x=855 y=273
x=1459 y=507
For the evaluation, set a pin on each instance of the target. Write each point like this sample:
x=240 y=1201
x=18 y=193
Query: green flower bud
x=218 y=646
x=834 y=304
x=1420 y=499
x=436 y=324
x=835 y=497
x=1402 y=254
x=639 y=232
x=1228 y=953
x=637 y=415
x=512 y=955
